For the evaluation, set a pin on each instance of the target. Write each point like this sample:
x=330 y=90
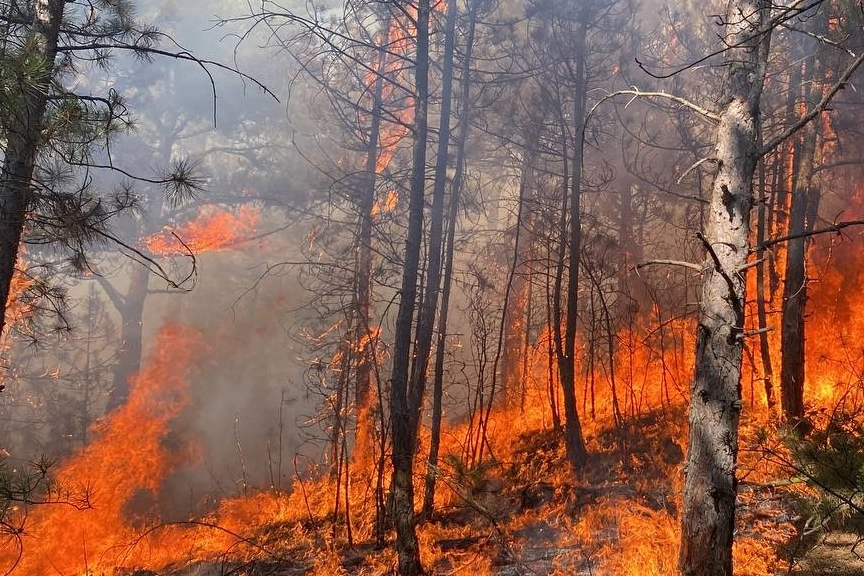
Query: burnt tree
x=406 y=394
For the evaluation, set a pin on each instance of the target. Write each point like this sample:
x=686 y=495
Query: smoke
x=240 y=431
x=247 y=399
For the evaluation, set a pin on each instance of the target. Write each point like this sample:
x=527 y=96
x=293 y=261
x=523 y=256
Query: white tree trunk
x=708 y=516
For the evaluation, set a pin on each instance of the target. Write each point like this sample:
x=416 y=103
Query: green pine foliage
x=76 y=189
x=831 y=460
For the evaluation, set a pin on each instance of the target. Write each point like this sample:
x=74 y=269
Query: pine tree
x=54 y=138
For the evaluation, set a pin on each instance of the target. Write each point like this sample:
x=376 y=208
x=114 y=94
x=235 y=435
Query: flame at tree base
x=620 y=520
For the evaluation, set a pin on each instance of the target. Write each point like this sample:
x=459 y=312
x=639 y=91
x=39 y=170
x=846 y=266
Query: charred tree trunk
x=710 y=487
x=513 y=316
x=363 y=294
x=448 y=251
x=131 y=308
x=761 y=295
x=405 y=398
x=426 y=320
x=804 y=202
x=795 y=287
x=514 y=320
x=23 y=139
x=575 y=443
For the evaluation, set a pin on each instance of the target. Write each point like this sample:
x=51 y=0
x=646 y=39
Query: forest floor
x=839 y=553
x=525 y=515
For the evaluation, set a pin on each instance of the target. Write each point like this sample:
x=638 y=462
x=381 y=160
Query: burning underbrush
x=519 y=512
x=506 y=501
x=515 y=509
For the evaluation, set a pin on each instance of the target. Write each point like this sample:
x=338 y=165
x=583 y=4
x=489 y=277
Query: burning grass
x=101 y=493
x=511 y=507
x=522 y=513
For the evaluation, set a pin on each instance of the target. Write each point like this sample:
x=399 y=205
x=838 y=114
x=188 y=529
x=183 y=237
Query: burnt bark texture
x=708 y=515
x=795 y=285
x=24 y=138
x=363 y=294
x=577 y=454
x=803 y=208
x=448 y=247
x=515 y=320
x=405 y=395
x=131 y=308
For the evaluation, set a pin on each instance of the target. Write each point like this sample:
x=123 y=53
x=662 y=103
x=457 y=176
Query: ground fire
x=432 y=287
x=523 y=506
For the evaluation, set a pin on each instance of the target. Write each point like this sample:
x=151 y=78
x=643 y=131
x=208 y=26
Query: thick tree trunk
x=404 y=397
x=23 y=140
x=708 y=515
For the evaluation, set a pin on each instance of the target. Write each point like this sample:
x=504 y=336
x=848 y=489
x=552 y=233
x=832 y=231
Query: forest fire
x=557 y=287
x=90 y=527
x=213 y=229
x=102 y=527
x=18 y=308
x=103 y=524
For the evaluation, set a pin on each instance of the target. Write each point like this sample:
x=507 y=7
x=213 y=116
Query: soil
x=836 y=554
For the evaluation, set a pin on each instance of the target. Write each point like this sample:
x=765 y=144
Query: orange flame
x=89 y=531
x=17 y=308
x=212 y=230
x=386 y=204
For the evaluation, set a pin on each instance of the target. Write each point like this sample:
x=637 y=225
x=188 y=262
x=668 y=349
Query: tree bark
x=404 y=397
x=515 y=330
x=448 y=253
x=792 y=346
x=23 y=141
x=761 y=295
x=131 y=310
x=426 y=320
x=577 y=454
x=363 y=294
x=710 y=486
x=802 y=212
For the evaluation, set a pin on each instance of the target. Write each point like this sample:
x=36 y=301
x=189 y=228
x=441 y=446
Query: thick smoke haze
x=249 y=394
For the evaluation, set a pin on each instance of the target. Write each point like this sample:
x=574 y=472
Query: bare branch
x=636 y=93
x=150 y=263
x=681 y=263
x=188 y=56
x=693 y=167
x=820 y=37
x=820 y=106
x=785 y=14
x=836 y=227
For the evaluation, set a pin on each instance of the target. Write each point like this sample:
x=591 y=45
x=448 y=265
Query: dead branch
x=836 y=228
x=681 y=263
x=636 y=93
x=819 y=108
